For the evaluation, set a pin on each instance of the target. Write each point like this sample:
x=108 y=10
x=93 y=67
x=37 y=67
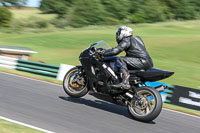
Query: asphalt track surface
x=47 y=106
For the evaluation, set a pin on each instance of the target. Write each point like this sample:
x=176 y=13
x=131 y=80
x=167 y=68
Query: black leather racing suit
x=136 y=57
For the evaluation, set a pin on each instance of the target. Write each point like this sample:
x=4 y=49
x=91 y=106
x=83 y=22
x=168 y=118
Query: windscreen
x=101 y=44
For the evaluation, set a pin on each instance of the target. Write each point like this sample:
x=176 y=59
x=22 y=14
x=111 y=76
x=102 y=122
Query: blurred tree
x=166 y=10
x=93 y=12
x=5 y=17
x=134 y=5
x=196 y=5
x=55 y=6
x=13 y=2
x=118 y=9
x=147 y=11
x=154 y=12
x=181 y=9
x=86 y=12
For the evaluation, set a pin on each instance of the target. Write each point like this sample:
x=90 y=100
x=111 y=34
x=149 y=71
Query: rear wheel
x=148 y=106
x=74 y=83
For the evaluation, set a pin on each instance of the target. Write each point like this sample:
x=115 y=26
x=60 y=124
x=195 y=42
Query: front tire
x=148 y=107
x=71 y=83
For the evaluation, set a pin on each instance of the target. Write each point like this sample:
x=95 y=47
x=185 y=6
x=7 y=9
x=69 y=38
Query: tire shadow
x=120 y=110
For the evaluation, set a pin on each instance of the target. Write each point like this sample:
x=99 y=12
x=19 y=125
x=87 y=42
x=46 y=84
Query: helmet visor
x=118 y=38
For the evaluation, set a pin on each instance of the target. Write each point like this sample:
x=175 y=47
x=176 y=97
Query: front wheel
x=148 y=106
x=74 y=83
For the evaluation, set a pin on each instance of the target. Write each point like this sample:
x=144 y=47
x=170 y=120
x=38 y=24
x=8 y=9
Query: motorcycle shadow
x=109 y=107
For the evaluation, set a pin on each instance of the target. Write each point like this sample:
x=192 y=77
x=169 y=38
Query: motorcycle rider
x=137 y=57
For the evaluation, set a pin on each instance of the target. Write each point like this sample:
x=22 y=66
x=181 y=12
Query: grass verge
x=29 y=75
x=9 y=127
x=181 y=109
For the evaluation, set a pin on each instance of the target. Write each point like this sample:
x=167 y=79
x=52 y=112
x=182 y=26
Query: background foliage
x=5 y=14
x=5 y=17
x=79 y=13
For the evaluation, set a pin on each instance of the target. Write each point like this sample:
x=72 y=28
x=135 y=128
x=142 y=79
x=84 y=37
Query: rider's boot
x=125 y=80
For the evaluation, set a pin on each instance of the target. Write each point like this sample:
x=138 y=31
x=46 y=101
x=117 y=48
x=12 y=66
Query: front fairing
x=84 y=53
x=88 y=51
x=87 y=58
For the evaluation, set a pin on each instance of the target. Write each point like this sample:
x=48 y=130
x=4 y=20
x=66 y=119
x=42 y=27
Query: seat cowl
x=152 y=74
x=153 y=69
x=135 y=71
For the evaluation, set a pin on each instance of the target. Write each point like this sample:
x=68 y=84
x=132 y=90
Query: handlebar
x=97 y=52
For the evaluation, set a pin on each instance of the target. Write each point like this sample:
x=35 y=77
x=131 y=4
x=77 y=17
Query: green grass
x=181 y=109
x=8 y=127
x=30 y=12
x=174 y=46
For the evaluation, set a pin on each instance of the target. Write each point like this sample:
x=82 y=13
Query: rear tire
x=72 y=88
x=152 y=111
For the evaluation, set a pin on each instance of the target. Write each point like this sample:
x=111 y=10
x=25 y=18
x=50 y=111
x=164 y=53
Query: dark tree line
x=94 y=12
x=79 y=13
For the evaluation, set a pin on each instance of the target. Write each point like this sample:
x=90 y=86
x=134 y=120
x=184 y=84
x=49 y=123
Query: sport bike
x=98 y=73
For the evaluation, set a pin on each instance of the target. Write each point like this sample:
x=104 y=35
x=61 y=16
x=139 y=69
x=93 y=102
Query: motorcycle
x=97 y=74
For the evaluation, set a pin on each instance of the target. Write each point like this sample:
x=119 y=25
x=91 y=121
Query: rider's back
x=137 y=49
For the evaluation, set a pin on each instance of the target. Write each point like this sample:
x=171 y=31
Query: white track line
x=30 y=78
x=60 y=85
x=26 y=125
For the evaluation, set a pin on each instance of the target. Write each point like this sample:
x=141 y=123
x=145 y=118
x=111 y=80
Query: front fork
x=79 y=77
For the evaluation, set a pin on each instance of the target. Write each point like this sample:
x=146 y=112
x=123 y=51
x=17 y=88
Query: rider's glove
x=101 y=51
